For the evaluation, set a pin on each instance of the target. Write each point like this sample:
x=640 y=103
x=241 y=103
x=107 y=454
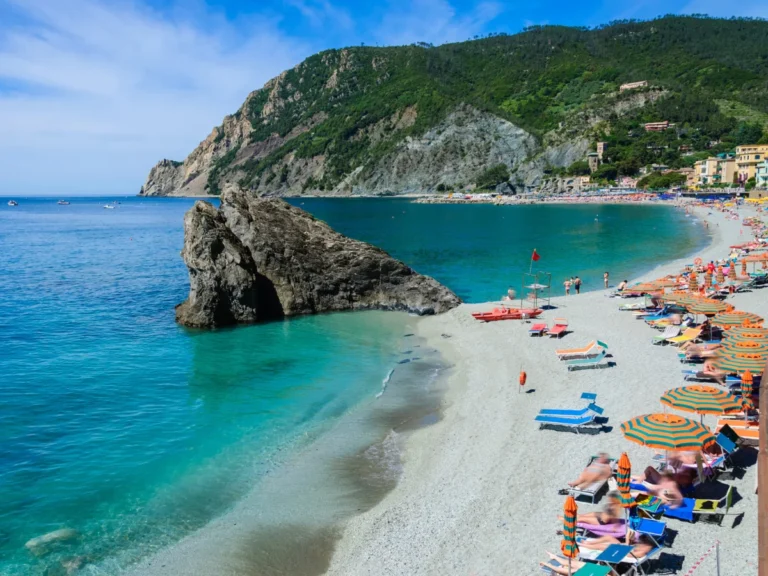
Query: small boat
x=12 y=203
x=62 y=203
x=109 y=206
x=507 y=314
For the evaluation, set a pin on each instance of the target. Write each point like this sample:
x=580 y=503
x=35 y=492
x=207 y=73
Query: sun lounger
x=573 y=413
x=587 y=363
x=559 y=328
x=588 y=570
x=692 y=507
x=615 y=529
x=747 y=432
x=573 y=422
x=594 y=489
x=589 y=351
x=694 y=375
x=687 y=336
x=636 y=564
x=537 y=329
x=669 y=332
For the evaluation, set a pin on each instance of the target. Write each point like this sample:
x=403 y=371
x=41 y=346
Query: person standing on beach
x=567 y=285
x=605 y=279
x=577 y=285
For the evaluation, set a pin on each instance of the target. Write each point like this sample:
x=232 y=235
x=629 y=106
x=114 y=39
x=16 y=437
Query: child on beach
x=567 y=285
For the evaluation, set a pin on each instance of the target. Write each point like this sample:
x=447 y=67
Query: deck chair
x=669 y=332
x=594 y=489
x=573 y=413
x=559 y=328
x=537 y=329
x=746 y=432
x=687 y=336
x=715 y=508
x=587 y=363
x=590 y=569
x=574 y=423
x=591 y=350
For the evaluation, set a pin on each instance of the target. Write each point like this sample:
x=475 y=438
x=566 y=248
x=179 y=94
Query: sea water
x=133 y=432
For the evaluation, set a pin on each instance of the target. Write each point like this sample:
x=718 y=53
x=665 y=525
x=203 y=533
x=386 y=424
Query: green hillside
x=710 y=77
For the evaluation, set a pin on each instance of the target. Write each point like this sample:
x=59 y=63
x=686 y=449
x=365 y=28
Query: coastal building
x=720 y=169
x=633 y=85
x=601 y=150
x=747 y=159
x=593 y=160
x=705 y=171
x=727 y=171
x=690 y=176
x=584 y=181
x=761 y=175
x=657 y=126
x=628 y=182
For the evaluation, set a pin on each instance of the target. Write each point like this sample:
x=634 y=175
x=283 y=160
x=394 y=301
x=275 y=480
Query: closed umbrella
x=732 y=271
x=708 y=279
x=568 y=546
x=746 y=391
x=693 y=284
x=623 y=472
x=667 y=432
x=701 y=400
x=720 y=275
x=743 y=267
x=735 y=318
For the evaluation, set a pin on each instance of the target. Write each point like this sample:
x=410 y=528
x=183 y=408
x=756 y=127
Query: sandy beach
x=479 y=489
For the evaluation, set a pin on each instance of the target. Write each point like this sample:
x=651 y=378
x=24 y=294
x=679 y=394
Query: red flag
x=535 y=256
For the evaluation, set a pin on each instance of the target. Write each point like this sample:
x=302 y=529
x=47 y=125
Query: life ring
x=697 y=261
x=523 y=378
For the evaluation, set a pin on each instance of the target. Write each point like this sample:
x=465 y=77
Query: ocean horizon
x=135 y=433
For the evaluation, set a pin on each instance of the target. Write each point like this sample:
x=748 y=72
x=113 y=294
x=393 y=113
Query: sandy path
x=479 y=489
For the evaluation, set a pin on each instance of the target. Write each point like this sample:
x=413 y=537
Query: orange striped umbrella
x=720 y=276
x=732 y=271
x=667 y=432
x=568 y=546
x=735 y=318
x=746 y=390
x=743 y=267
x=693 y=283
x=707 y=307
x=708 y=279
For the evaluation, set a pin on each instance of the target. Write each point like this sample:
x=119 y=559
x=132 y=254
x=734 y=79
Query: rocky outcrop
x=261 y=259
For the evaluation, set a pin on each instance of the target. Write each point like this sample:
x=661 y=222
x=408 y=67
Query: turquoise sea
x=133 y=432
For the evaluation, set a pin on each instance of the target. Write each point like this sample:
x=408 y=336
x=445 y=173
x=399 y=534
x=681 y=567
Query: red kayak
x=507 y=314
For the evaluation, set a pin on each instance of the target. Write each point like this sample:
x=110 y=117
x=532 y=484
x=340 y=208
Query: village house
x=633 y=85
x=657 y=126
x=747 y=159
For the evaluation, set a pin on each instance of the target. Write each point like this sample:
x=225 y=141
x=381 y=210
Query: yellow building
x=728 y=171
x=747 y=159
x=706 y=170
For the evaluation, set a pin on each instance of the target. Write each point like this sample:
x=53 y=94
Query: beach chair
x=594 y=489
x=588 y=363
x=537 y=329
x=747 y=432
x=709 y=508
x=559 y=328
x=574 y=423
x=635 y=564
x=669 y=332
x=590 y=350
x=687 y=336
x=572 y=413
x=588 y=570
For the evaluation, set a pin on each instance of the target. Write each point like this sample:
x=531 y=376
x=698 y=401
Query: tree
x=493 y=176
x=659 y=180
x=605 y=172
x=578 y=168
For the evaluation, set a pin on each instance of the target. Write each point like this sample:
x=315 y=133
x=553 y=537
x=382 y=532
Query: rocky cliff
x=262 y=259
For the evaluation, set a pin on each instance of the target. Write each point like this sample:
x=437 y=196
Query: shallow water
x=134 y=432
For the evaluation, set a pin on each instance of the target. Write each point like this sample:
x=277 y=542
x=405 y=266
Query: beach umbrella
x=644 y=287
x=734 y=318
x=693 y=284
x=666 y=282
x=708 y=279
x=737 y=362
x=568 y=546
x=745 y=333
x=678 y=297
x=720 y=276
x=707 y=307
x=667 y=432
x=701 y=400
x=743 y=266
x=746 y=391
x=732 y=271
x=623 y=473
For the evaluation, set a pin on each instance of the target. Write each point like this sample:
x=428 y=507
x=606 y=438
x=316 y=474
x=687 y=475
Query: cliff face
x=261 y=259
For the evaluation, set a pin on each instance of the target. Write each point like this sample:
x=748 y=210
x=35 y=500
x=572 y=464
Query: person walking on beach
x=605 y=279
x=577 y=285
x=567 y=285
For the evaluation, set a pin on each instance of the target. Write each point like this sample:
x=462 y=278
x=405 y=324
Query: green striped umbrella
x=746 y=391
x=623 y=472
x=745 y=333
x=738 y=362
x=701 y=399
x=735 y=318
x=707 y=307
x=667 y=432
x=568 y=546
x=745 y=346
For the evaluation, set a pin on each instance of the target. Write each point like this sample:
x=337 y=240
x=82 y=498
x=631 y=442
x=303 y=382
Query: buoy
x=523 y=377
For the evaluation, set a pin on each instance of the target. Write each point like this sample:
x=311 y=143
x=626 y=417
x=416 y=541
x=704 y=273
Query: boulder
x=257 y=259
x=41 y=545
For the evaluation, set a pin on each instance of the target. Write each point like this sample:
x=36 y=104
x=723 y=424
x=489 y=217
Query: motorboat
x=12 y=203
x=62 y=203
x=507 y=314
x=109 y=206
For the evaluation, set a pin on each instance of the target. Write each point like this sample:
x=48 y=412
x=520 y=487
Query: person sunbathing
x=597 y=471
x=642 y=546
x=699 y=351
x=611 y=514
x=663 y=485
x=710 y=371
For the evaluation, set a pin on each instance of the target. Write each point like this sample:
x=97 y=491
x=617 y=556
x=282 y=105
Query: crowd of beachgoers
x=658 y=471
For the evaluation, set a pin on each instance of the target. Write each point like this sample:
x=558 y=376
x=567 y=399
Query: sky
x=94 y=92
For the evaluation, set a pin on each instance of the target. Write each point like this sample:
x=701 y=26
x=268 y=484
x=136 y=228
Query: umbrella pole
x=762 y=472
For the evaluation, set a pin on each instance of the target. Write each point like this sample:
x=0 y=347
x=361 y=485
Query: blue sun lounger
x=574 y=423
x=572 y=413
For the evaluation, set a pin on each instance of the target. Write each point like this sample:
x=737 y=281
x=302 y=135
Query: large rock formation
x=261 y=259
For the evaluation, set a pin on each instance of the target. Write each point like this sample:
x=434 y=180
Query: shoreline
x=476 y=484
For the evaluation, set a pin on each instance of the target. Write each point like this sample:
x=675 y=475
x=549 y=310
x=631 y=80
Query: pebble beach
x=479 y=489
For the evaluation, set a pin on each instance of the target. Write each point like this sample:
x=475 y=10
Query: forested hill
x=505 y=108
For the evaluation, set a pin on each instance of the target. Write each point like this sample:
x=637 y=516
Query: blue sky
x=94 y=92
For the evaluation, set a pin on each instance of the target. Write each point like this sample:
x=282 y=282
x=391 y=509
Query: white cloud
x=434 y=21
x=321 y=13
x=102 y=90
